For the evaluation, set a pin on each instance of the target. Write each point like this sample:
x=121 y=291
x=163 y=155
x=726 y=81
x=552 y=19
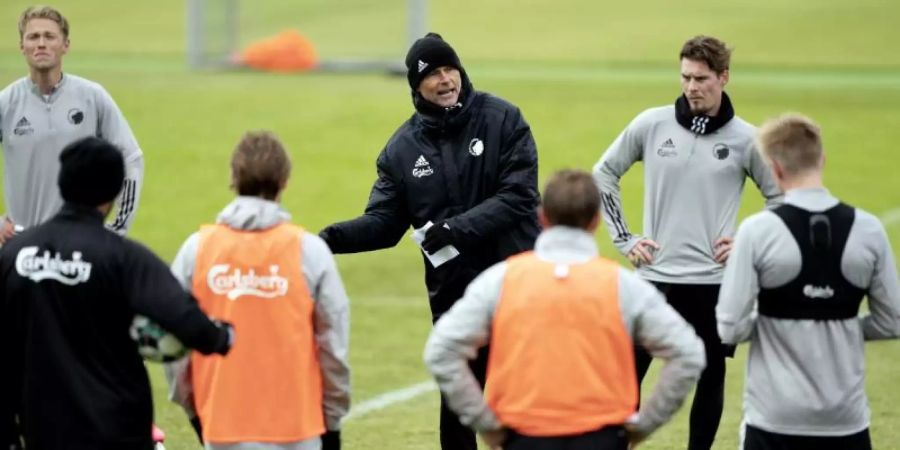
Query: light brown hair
x=43 y=12
x=709 y=50
x=260 y=166
x=571 y=199
x=792 y=140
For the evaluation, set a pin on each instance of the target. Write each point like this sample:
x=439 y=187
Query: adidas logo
x=421 y=162
x=422 y=65
x=668 y=144
x=23 y=127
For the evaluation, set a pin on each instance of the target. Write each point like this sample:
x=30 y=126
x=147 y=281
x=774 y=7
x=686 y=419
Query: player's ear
x=542 y=218
x=595 y=222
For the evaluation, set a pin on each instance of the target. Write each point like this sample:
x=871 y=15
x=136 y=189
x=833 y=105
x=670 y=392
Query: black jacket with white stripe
x=69 y=290
x=475 y=167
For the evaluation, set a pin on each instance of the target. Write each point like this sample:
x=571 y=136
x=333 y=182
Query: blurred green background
x=579 y=69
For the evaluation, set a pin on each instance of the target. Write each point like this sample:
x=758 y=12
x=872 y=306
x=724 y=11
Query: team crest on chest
x=476 y=147
x=76 y=116
x=721 y=151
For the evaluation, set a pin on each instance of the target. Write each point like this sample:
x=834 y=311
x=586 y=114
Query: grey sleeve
x=455 y=340
x=658 y=328
x=762 y=175
x=627 y=149
x=178 y=373
x=183 y=265
x=736 y=309
x=181 y=388
x=883 y=320
x=332 y=327
x=113 y=127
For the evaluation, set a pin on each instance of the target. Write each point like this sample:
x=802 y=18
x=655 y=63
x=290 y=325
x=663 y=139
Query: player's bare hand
x=722 y=249
x=642 y=253
x=494 y=439
x=7 y=230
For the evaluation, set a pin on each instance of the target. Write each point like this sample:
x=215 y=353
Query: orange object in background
x=288 y=51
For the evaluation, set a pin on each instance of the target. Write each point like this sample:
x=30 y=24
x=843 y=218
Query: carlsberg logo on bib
x=234 y=283
x=44 y=267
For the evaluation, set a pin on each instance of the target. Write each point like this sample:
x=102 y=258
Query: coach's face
x=43 y=44
x=702 y=86
x=441 y=86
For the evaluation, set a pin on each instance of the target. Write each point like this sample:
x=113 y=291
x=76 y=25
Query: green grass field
x=579 y=69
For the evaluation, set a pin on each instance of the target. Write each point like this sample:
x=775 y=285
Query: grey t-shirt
x=35 y=128
x=692 y=191
x=806 y=377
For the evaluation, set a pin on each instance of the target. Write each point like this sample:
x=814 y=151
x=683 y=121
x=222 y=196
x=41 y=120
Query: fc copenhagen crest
x=476 y=147
x=721 y=151
x=75 y=116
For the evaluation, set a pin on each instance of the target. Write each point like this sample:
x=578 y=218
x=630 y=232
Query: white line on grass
x=390 y=398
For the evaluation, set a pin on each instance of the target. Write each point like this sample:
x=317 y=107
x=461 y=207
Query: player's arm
x=384 y=221
x=762 y=175
x=112 y=126
x=516 y=196
x=178 y=373
x=736 y=309
x=883 y=320
x=455 y=339
x=12 y=347
x=627 y=149
x=657 y=327
x=153 y=292
x=332 y=328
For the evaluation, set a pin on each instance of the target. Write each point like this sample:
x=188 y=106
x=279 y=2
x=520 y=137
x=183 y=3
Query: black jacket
x=71 y=372
x=474 y=167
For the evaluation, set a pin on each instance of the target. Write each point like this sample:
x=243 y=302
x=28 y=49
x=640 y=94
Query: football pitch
x=580 y=70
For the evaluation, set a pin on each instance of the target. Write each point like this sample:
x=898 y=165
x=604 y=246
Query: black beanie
x=427 y=54
x=91 y=172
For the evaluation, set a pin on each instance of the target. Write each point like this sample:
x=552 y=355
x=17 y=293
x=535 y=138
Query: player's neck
x=810 y=180
x=47 y=80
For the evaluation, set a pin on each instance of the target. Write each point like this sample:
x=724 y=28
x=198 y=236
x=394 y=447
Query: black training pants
x=609 y=438
x=697 y=305
x=756 y=439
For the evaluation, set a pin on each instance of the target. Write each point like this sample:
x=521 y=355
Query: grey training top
x=649 y=320
x=805 y=377
x=692 y=191
x=35 y=128
x=331 y=315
